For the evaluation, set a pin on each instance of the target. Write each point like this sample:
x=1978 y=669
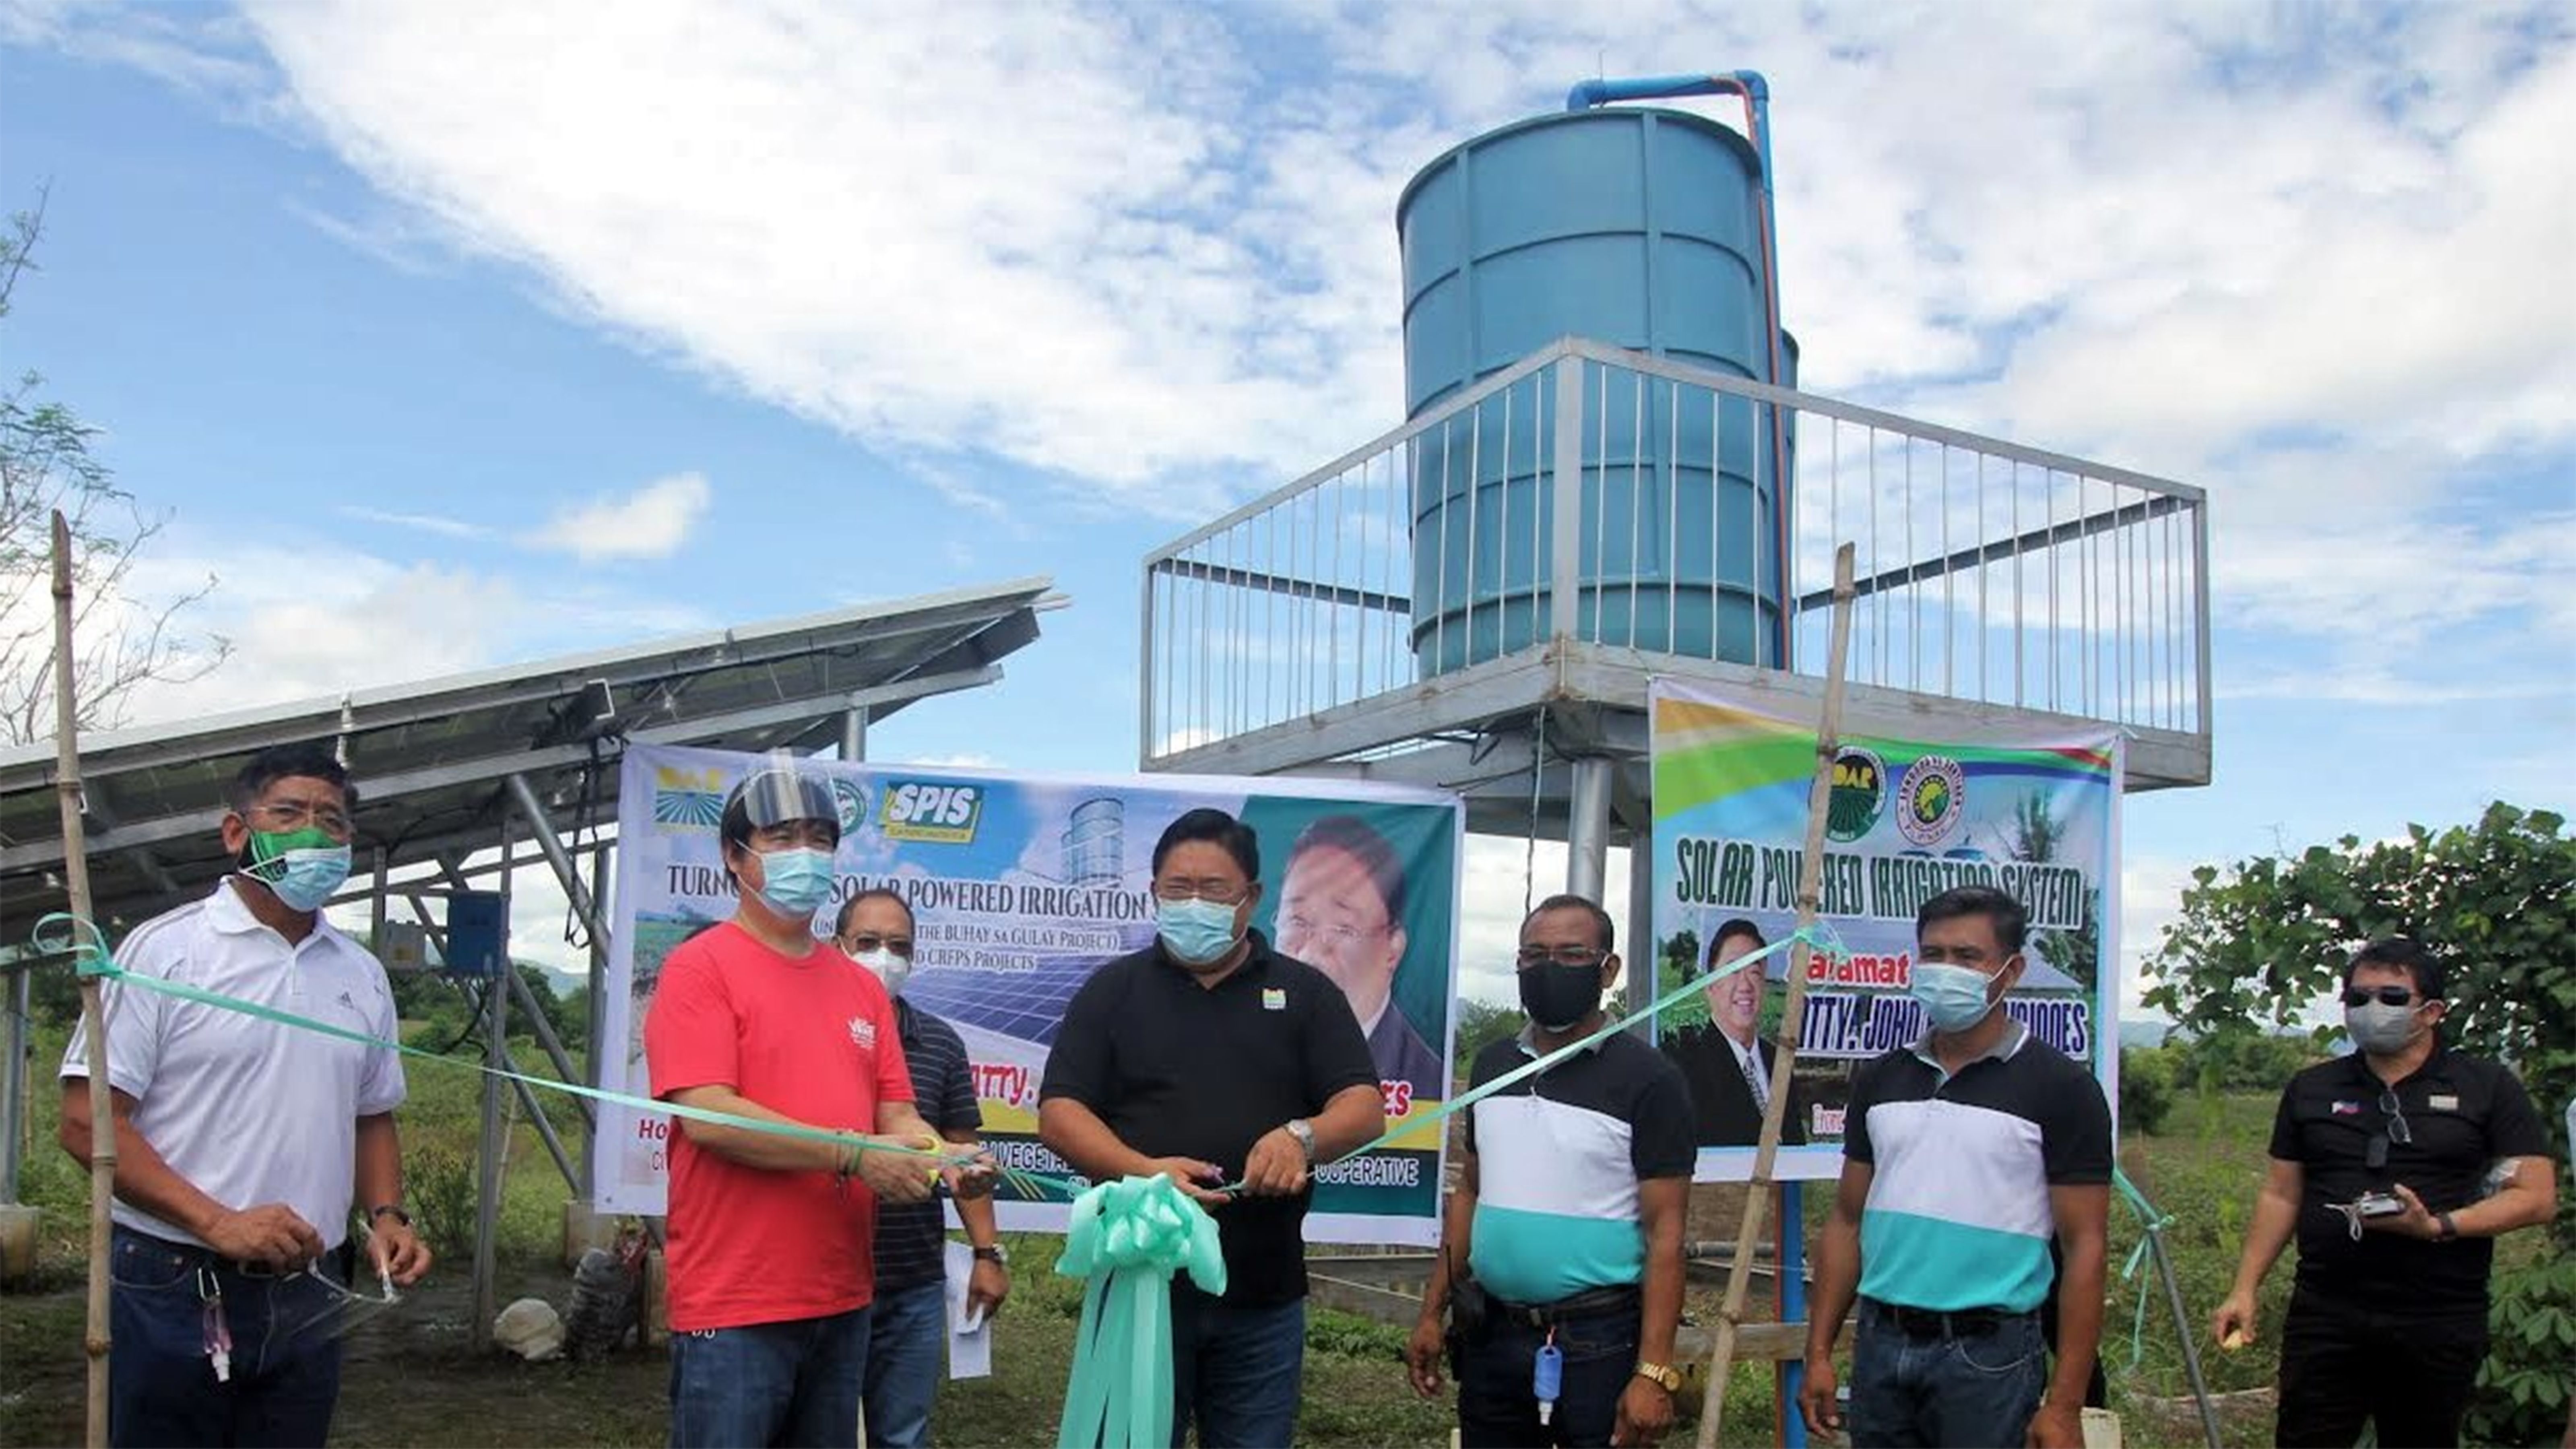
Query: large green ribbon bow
x=1129 y=1237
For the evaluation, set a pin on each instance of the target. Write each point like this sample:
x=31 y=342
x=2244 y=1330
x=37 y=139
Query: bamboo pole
x=102 y=1115
x=1811 y=873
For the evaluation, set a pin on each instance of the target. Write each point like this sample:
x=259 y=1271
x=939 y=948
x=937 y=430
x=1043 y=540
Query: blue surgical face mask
x=796 y=881
x=303 y=868
x=1953 y=997
x=1197 y=933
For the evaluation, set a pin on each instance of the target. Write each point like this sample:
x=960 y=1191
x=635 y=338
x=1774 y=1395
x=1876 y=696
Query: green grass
x=417 y=1374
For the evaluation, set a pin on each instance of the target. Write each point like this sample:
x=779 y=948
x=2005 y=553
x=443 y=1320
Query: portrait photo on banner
x=2036 y=818
x=1022 y=886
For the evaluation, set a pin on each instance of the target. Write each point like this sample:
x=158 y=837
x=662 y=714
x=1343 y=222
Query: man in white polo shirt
x=242 y=1144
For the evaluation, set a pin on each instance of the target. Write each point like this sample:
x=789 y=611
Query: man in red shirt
x=770 y=1234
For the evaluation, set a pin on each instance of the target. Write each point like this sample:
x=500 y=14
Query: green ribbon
x=1128 y=1238
x=2150 y=1223
x=87 y=946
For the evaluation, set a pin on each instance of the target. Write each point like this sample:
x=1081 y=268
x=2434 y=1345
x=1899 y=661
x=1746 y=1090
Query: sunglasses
x=2396 y=1130
x=2384 y=995
x=860 y=945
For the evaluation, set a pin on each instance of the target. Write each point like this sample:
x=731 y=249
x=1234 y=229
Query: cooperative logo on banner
x=852 y=799
x=918 y=810
x=1859 y=793
x=689 y=798
x=1931 y=798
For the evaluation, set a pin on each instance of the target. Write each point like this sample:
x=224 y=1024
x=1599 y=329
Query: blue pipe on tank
x=1757 y=98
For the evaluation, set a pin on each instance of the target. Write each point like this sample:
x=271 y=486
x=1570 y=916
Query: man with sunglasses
x=771 y=1233
x=908 y=1321
x=242 y=1144
x=2381 y=1161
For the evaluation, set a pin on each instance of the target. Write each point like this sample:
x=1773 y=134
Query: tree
x=46 y=466
x=2265 y=940
x=2038 y=836
x=2261 y=943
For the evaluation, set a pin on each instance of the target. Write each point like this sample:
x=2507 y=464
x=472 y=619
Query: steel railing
x=1989 y=571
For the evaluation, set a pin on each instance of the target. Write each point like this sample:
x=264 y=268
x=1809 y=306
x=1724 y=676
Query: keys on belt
x=1954 y=1323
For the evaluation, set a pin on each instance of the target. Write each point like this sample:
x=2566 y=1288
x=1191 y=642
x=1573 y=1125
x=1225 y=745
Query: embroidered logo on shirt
x=863 y=1033
x=347 y=1001
x=2442 y=1102
x=1274 y=998
x=2347 y=1109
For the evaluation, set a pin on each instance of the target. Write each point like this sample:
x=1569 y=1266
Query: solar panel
x=431 y=758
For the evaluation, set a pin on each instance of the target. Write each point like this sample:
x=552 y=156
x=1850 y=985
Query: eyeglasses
x=1214 y=892
x=860 y=945
x=288 y=815
x=2396 y=1130
x=1560 y=955
x=1307 y=928
x=2384 y=995
x=342 y=1308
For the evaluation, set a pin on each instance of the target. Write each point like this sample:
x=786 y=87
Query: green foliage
x=2524 y=1384
x=2146 y=1088
x=438 y=1181
x=2241 y=1061
x=1681 y=957
x=1480 y=1024
x=2261 y=943
x=2038 y=836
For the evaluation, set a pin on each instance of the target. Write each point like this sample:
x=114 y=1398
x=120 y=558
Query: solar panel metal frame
x=431 y=759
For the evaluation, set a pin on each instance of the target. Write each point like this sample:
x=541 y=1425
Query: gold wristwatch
x=1664 y=1374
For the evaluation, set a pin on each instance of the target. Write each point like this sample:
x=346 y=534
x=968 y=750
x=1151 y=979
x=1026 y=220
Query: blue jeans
x=1237 y=1371
x=786 y=1384
x=1973 y=1388
x=907 y=1352
x=161 y=1387
x=1497 y=1403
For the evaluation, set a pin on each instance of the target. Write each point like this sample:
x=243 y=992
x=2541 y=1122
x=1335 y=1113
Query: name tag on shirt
x=1274 y=998
x=2442 y=1102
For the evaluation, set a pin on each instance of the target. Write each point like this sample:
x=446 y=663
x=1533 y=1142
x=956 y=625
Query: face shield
x=777 y=795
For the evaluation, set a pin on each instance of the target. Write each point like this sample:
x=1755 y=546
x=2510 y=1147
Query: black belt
x=1590 y=1303
x=1956 y=1323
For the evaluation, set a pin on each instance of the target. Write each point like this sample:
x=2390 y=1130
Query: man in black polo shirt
x=908 y=1320
x=1565 y=1228
x=1212 y=1059
x=2388 y=1313
x=1963 y=1156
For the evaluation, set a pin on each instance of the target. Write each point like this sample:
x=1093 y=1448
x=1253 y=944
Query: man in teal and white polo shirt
x=1963 y=1156
x=1565 y=1230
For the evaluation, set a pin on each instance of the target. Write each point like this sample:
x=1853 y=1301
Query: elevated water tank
x=1642 y=228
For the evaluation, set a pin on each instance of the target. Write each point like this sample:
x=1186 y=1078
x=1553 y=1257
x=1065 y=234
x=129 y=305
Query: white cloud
x=651 y=522
x=1503 y=877
x=421 y=522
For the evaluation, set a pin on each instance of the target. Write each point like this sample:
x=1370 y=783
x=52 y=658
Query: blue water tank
x=1635 y=226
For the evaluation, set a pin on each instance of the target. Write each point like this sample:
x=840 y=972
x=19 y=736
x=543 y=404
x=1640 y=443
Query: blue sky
x=457 y=335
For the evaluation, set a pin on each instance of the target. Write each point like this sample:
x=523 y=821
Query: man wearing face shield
x=1963 y=1156
x=2381 y=1166
x=1561 y=1247
x=242 y=1144
x=770 y=1234
x=908 y=1322
x=1212 y=1059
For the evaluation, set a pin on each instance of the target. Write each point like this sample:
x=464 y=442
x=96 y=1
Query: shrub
x=2146 y=1087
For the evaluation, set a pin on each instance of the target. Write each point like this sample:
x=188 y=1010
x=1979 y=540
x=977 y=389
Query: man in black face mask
x=1561 y=1251
x=2382 y=1163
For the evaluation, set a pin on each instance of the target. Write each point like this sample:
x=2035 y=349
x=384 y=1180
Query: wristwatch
x=390 y=1210
x=994 y=1253
x=1304 y=1132
x=2444 y=1229
x=1664 y=1374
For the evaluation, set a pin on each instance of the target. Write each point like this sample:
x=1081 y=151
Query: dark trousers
x=2409 y=1373
x=1961 y=1388
x=1497 y=1407
x=161 y=1386
x=1236 y=1372
x=793 y=1384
